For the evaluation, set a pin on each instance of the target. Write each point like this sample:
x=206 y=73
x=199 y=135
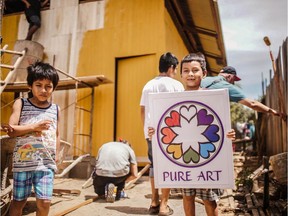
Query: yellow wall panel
x=132 y=74
x=131 y=28
x=10 y=29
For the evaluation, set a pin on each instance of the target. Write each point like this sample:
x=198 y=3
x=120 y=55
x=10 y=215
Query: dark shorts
x=99 y=183
x=34 y=20
x=150 y=157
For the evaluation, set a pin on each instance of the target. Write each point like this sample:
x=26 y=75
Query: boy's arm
x=58 y=137
x=44 y=3
x=15 y=116
x=19 y=130
x=26 y=3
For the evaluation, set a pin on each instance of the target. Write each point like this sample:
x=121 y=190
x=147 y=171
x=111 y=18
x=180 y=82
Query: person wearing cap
x=226 y=79
x=115 y=164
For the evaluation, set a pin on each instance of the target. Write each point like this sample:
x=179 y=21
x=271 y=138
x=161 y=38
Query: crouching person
x=115 y=164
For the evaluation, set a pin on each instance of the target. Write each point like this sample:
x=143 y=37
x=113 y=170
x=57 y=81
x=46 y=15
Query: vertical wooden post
x=91 y=121
x=266 y=183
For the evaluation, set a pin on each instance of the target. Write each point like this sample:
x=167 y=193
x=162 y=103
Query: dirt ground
x=137 y=202
x=232 y=202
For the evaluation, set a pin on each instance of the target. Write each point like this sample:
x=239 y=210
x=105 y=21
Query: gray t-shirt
x=114 y=159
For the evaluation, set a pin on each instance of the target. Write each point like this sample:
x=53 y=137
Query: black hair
x=199 y=57
x=40 y=71
x=166 y=61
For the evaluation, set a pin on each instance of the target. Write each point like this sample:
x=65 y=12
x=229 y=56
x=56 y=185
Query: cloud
x=251 y=66
x=244 y=24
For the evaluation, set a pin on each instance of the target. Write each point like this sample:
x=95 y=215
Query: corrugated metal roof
x=198 y=23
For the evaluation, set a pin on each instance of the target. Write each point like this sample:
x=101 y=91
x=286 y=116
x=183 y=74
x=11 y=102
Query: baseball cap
x=230 y=70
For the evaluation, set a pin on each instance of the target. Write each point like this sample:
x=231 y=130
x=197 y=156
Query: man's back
x=219 y=82
x=158 y=84
x=114 y=159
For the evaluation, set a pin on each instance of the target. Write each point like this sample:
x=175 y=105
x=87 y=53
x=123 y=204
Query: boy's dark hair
x=199 y=57
x=40 y=71
x=166 y=61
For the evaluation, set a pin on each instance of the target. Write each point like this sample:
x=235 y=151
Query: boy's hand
x=42 y=125
x=231 y=135
x=151 y=132
x=6 y=128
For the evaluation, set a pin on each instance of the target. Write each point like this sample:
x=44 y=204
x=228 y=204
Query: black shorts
x=34 y=20
x=99 y=183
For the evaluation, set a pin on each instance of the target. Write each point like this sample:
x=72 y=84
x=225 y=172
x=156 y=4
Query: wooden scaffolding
x=70 y=82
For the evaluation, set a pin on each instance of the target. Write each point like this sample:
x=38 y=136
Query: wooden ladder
x=12 y=73
x=79 y=112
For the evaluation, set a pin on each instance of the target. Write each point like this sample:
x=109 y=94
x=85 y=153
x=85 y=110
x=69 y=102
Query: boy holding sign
x=193 y=70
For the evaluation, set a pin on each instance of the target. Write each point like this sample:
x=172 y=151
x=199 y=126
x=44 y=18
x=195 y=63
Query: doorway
x=132 y=73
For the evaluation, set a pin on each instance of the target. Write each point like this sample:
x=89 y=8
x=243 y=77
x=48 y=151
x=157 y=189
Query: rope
x=10 y=102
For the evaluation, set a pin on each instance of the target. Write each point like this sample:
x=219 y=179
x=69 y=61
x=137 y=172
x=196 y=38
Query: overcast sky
x=244 y=25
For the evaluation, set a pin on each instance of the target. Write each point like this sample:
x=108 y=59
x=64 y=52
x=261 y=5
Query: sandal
x=154 y=210
x=170 y=212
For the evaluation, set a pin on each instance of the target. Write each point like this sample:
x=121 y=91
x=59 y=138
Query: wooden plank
x=256 y=173
x=257 y=204
x=251 y=206
x=7 y=66
x=230 y=198
x=88 y=183
x=67 y=169
x=130 y=183
x=11 y=51
x=76 y=206
x=67 y=191
x=11 y=75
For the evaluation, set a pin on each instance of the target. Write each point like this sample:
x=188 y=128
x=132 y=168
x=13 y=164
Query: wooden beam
x=64 y=84
x=76 y=206
x=11 y=75
x=130 y=183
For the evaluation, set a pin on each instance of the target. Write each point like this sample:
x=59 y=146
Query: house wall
x=120 y=39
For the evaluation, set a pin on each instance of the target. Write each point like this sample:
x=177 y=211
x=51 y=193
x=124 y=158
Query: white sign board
x=190 y=148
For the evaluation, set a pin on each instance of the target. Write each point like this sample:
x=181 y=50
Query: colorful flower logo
x=190 y=134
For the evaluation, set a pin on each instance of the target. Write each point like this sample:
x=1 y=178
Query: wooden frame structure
x=71 y=82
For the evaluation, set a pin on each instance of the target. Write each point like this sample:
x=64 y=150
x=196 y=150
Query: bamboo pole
x=276 y=75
